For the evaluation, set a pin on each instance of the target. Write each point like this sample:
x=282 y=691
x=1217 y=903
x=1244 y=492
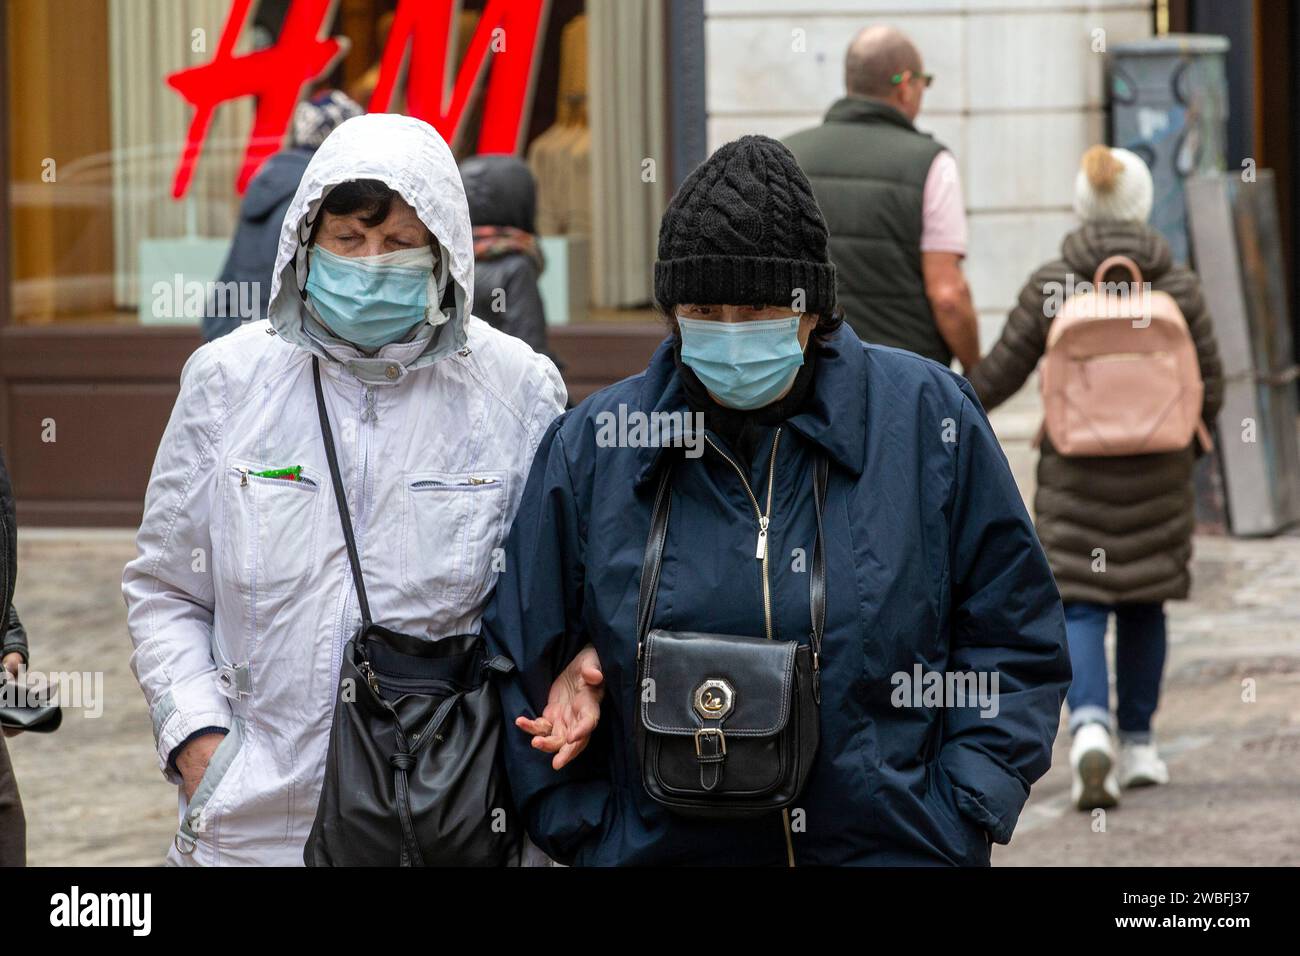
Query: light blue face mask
x=745 y=365
x=370 y=301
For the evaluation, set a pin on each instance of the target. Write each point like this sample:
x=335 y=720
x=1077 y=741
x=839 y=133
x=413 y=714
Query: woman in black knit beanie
x=771 y=552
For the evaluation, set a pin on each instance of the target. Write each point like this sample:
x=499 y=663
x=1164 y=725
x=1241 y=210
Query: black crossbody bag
x=727 y=725
x=414 y=773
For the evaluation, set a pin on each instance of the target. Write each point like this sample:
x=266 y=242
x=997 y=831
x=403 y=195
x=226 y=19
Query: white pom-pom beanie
x=1113 y=185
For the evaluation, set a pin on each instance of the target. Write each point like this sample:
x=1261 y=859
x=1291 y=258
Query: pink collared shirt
x=943 y=211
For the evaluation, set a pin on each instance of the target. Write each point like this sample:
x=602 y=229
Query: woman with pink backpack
x=1131 y=381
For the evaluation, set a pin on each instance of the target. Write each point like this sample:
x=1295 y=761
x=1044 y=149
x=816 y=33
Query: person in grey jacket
x=13 y=657
x=507 y=261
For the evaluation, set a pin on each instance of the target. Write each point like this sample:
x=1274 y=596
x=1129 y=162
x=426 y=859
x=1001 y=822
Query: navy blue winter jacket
x=257 y=237
x=932 y=562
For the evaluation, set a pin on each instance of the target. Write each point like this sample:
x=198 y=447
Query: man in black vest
x=892 y=200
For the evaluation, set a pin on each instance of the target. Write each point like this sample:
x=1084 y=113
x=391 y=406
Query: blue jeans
x=1140 y=643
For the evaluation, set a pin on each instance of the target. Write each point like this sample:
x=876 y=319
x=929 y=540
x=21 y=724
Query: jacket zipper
x=764 y=520
x=473 y=481
x=760 y=553
x=368 y=418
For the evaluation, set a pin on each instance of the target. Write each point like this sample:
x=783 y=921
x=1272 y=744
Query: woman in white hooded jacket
x=240 y=600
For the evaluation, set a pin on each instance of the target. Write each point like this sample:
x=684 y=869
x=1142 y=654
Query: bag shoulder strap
x=654 y=552
x=340 y=498
x=817 y=586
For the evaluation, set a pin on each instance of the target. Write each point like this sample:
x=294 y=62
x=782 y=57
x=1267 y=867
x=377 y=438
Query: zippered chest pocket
x=451 y=526
x=270 y=528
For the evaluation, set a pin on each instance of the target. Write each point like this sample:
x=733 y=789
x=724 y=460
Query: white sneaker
x=1093 y=759
x=1141 y=766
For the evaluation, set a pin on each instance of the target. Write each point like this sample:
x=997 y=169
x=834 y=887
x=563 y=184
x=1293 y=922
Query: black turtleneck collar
x=742 y=429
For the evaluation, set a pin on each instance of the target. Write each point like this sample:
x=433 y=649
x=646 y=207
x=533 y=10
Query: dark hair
x=368 y=199
x=827 y=324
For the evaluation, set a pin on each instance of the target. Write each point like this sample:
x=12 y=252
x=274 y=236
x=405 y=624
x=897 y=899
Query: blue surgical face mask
x=370 y=301
x=744 y=364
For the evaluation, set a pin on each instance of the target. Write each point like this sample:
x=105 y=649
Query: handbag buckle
x=714 y=699
x=710 y=731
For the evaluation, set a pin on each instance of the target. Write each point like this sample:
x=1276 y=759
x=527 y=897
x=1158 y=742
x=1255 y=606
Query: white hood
x=432 y=463
x=409 y=156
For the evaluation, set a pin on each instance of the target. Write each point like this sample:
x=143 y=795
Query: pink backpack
x=1120 y=375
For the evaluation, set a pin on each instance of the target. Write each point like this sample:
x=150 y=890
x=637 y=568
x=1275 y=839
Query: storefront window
x=96 y=134
x=93 y=135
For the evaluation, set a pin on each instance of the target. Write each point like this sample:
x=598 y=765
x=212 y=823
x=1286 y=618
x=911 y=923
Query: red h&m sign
x=508 y=29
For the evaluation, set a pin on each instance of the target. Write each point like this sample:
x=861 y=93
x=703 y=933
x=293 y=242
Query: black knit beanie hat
x=744 y=229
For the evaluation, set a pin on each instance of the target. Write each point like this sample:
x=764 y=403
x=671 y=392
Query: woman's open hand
x=13 y=663
x=572 y=709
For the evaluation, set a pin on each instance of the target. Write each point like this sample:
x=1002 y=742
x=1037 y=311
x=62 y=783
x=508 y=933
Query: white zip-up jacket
x=240 y=600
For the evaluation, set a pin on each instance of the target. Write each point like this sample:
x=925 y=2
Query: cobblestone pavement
x=93 y=793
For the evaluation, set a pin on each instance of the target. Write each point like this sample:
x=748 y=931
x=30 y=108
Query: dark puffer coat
x=1139 y=509
x=501 y=192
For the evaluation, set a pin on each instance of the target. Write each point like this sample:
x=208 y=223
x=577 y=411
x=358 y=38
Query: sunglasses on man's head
x=925 y=78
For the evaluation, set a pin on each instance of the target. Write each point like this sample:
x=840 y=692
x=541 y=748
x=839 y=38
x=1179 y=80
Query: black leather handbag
x=26 y=710
x=414 y=773
x=727 y=725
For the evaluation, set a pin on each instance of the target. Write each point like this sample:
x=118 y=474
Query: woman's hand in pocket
x=572 y=710
x=192 y=762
